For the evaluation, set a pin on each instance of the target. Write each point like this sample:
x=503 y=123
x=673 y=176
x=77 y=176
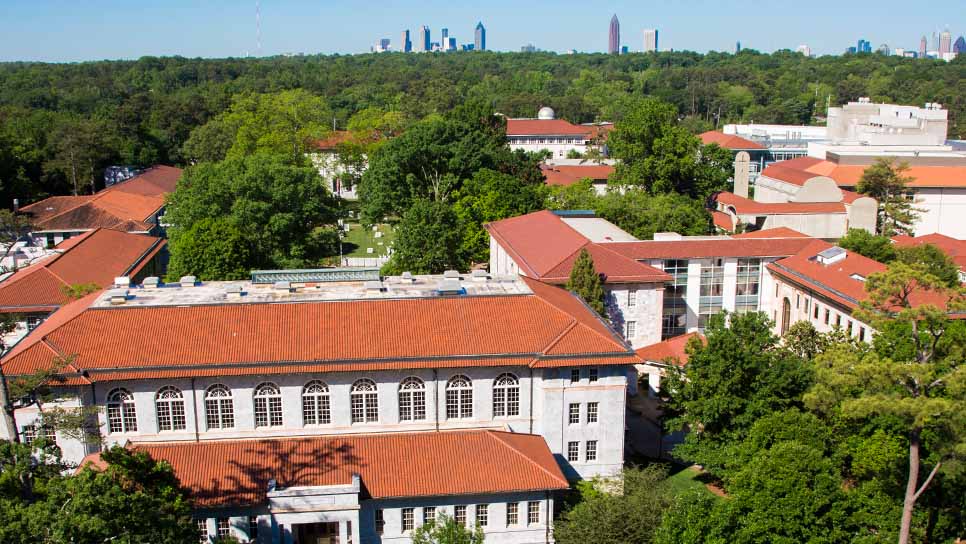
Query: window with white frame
x=533 y=512
x=506 y=396
x=630 y=329
x=316 y=407
x=748 y=283
x=32 y=433
x=201 y=525
x=590 y=451
x=592 y=412
x=675 y=312
x=712 y=289
x=121 y=415
x=219 y=407
x=364 y=401
x=512 y=513
x=573 y=451
x=169 y=405
x=592 y=374
x=482 y=514
x=252 y=528
x=380 y=522
x=631 y=298
x=268 y=405
x=574 y=413
x=429 y=515
x=412 y=400
x=408 y=519
x=459 y=398
x=224 y=527
x=459 y=514
x=574 y=375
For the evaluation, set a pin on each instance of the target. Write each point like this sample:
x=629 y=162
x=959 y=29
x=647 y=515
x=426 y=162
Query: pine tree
x=886 y=182
x=585 y=281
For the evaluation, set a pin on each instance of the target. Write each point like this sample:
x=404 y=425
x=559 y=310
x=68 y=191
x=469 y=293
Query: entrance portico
x=327 y=514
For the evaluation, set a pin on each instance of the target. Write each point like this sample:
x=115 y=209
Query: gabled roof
x=707 y=247
x=729 y=141
x=97 y=256
x=571 y=174
x=547 y=127
x=777 y=232
x=391 y=465
x=722 y=220
x=670 y=351
x=798 y=171
x=127 y=206
x=332 y=141
x=326 y=336
x=956 y=249
x=747 y=206
x=545 y=248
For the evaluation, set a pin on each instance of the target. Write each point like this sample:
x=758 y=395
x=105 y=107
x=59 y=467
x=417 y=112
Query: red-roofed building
x=732 y=142
x=658 y=357
x=569 y=174
x=325 y=158
x=956 y=249
x=94 y=257
x=559 y=137
x=134 y=205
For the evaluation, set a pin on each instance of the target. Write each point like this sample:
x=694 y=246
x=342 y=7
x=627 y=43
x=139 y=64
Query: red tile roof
x=777 y=232
x=332 y=141
x=547 y=127
x=747 y=206
x=798 y=171
x=571 y=174
x=956 y=249
x=550 y=326
x=710 y=247
x=475 y=462
x=545 y=247
x=97 y=256
x=127 y=206
x=671 y=350
x=729 y=141
x=722 y=220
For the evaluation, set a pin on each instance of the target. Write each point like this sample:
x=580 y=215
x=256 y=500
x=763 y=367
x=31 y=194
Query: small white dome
x=546 y=113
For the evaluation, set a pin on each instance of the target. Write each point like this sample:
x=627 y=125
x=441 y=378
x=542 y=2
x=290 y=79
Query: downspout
x=531 y=400
x=194 y=407
x=546 y=530
x=436 y=394
x=94 y=404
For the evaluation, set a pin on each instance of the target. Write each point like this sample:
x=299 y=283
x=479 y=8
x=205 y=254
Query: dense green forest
x=93 y=114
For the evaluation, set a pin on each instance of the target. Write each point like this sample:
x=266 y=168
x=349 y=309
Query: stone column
x=742 y=173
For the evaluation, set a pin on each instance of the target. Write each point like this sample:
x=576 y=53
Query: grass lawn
x=686 y=478
x=355 y=242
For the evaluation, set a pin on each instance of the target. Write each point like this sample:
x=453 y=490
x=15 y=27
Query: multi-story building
x=945 y=43
x=614 y=36
x=376 y=403
x=325 y=158
x=405 y=43
x=650 y=40
x=424 y=40
x=135 y=205
x=557 y=136
x=479 y=37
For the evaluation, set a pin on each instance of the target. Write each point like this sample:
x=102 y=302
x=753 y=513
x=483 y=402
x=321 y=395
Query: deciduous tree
x=586 y=282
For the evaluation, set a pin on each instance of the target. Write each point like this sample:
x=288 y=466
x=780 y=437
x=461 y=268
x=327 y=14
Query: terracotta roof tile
x=747 y=206
x=798 y=171
x=546 y=127
x=671 y=350
x=722 y=220
x=729 y=141
x=571 y=174
x=777 y=232
x=956 y=249
x=709 y=247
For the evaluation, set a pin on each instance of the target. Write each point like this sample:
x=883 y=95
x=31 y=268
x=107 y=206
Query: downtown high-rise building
x=614 y=36
x=945 y=43
x=960 y=46
x=405 y=44
x=863 y=46
x=479 y=37
x=424 y=44
x=650 y=40
x=923 y=45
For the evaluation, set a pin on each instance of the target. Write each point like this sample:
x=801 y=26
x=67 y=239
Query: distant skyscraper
x=650 y=40
x=923 y=44
x=614 y=37
x=451 y=44
x=737 y=47
x=960 y=46
x=805 y=50
x=405 y=44
x=479 y=41
x=863 y=47
x=945 y=43
x=445 y=35
x=424 y=43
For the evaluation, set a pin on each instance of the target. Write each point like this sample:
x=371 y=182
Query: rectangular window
x=747 y=286
x=848 y=326
x=808 y=306
x=674 y=317
x=592 y=374
x=30 y=433
x=815 y=314
x=533 y=512
x=631 y=329
x=573 y=451
x=838 y=320
x=408 y=519
x=861 y=334
x=482 y=514
x=712 y=288
x=429 y=515
x=380 y=522
x=798 y=300
x=574 y=417
x=459 y=514
x=827 y=313
x=590 y=453
x=202 y=526
x=224 y=527
x=592 y=412
x=631 y=299
x=574 y=375
x=512 y=513
x=252 y=528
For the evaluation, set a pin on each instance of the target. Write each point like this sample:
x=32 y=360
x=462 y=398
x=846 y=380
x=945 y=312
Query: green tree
x=873 y=246
x=246 y=213
x=935 y=261
x=445 y=530
x=80 y=147
x=585 y=281
x=618 y=518
x=13 y=228
x=886 y=181
x=428 y=240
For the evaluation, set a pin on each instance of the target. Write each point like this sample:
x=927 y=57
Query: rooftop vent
x=665 y=236
x=450 y=287
x=122 y=281
x=187 y=281
x=151 y=282
x=831 y=255
x=451 y=275
x=117 y=296
x=480 y=275
x=282 y=286
x=407 y=277
x=373 y=286
x=858 y=277
x=234 y=291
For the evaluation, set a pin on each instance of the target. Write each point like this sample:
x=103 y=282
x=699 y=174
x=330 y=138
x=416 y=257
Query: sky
x=69 y=31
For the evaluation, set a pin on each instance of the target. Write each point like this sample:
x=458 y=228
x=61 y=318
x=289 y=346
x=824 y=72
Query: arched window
x=219 y=408
x=506 y=396
x=315 y=404
x=364 y=402
x=169 y=404
x=412 y=400
x=268 y=405
x=121 y=416
x=459 y=398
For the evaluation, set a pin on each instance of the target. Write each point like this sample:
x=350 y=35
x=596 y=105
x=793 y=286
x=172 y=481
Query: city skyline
x=222 y=28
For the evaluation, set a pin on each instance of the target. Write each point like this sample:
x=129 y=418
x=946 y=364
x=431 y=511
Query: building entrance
x=316 y=533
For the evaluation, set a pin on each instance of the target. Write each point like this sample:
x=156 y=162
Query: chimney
x=742 y=173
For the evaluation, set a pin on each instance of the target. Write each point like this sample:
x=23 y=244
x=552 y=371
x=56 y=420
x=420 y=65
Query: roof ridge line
x=573 y=324
x=496 y=435
x=72 y=208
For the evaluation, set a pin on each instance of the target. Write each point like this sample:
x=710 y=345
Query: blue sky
x=58 y=30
